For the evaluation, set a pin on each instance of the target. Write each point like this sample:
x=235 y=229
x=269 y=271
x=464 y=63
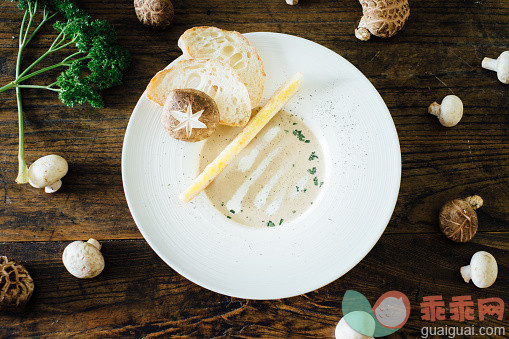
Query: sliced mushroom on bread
x=230 y=47
x=212 y=77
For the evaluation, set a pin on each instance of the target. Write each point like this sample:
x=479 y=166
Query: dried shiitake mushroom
x=383 y=18
x=157 y=14
x=16 y=285
x=189 y=115
x=458 y=220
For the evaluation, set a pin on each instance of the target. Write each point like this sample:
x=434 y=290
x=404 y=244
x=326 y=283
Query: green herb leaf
x=313 y=156
x=312 y=170
x=280 y=221
x=299 y=135
x=232 y=211
x=315 y=181
x=270 y=224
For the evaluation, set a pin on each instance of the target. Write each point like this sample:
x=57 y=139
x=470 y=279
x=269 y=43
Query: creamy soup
x=273 y=180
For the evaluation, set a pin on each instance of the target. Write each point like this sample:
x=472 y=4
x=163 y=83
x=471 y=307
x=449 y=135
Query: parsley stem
x=22 y=177
x=7 y=86
x=49 y=68
x=45 y=19
x=40 y=87
x=31 y=13
x=22 y=76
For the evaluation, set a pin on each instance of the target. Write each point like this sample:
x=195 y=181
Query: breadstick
x=273 y=106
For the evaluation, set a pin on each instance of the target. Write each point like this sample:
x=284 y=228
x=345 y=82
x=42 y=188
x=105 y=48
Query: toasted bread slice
x=230 y=47
x=214 y=78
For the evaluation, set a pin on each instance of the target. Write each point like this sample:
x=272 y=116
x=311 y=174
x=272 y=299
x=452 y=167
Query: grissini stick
x=273 y=106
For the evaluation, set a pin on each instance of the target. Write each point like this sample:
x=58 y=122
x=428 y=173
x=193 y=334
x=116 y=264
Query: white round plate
x=361 y=184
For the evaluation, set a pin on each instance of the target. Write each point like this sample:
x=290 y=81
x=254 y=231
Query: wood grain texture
x=143 y=296
x=437 y=53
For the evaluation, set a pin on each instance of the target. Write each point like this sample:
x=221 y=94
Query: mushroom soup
x=273 y=180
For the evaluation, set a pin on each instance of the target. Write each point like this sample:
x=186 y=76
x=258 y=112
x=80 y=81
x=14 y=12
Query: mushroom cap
x=16 y=285
x=503 y=67
x=47 y=170
x=384 y=18
x=157 y=14
x=483 y=269
x=179 y=103
x=83 y=259
x=458 y=220
x=345 y=331
x=451 y=111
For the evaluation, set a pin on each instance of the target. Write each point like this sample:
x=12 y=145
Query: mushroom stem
x=362 y=34
x=53 y=187
x=475 y=201
x=94 y=243
x=466 y=273
x=434 y=109
x=490 y=64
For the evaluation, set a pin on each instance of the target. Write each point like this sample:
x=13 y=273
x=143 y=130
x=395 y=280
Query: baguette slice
x=230 y=47
x=213 y=77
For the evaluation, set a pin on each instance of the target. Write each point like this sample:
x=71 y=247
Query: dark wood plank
x=143 y=296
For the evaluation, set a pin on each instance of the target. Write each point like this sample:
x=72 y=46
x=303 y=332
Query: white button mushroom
x=47 y=171
x=345 y=331
x=499 y=65
x=483 y=270
x=449 y=112
x=292 y=2
x=83 y=259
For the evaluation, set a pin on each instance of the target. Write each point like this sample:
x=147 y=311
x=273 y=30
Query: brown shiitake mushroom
x=16 y=285
x=157 y=14
x=458 y=220
x=189 y=115
x=383 y=18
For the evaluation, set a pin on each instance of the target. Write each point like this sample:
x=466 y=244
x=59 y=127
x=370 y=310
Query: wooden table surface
x=438 y=52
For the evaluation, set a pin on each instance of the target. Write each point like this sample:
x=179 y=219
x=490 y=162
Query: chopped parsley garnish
x=280 y=221
x=315 y=180
x=312 y=170
x=233 y=212
x=222 y=204
x=295 y=123
x=297 y=187
x=313 y=156
x=301 y=136
x=321 y=184
x=286 y=131
x=304 y=190
x=270 y=224
x=228 y=217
